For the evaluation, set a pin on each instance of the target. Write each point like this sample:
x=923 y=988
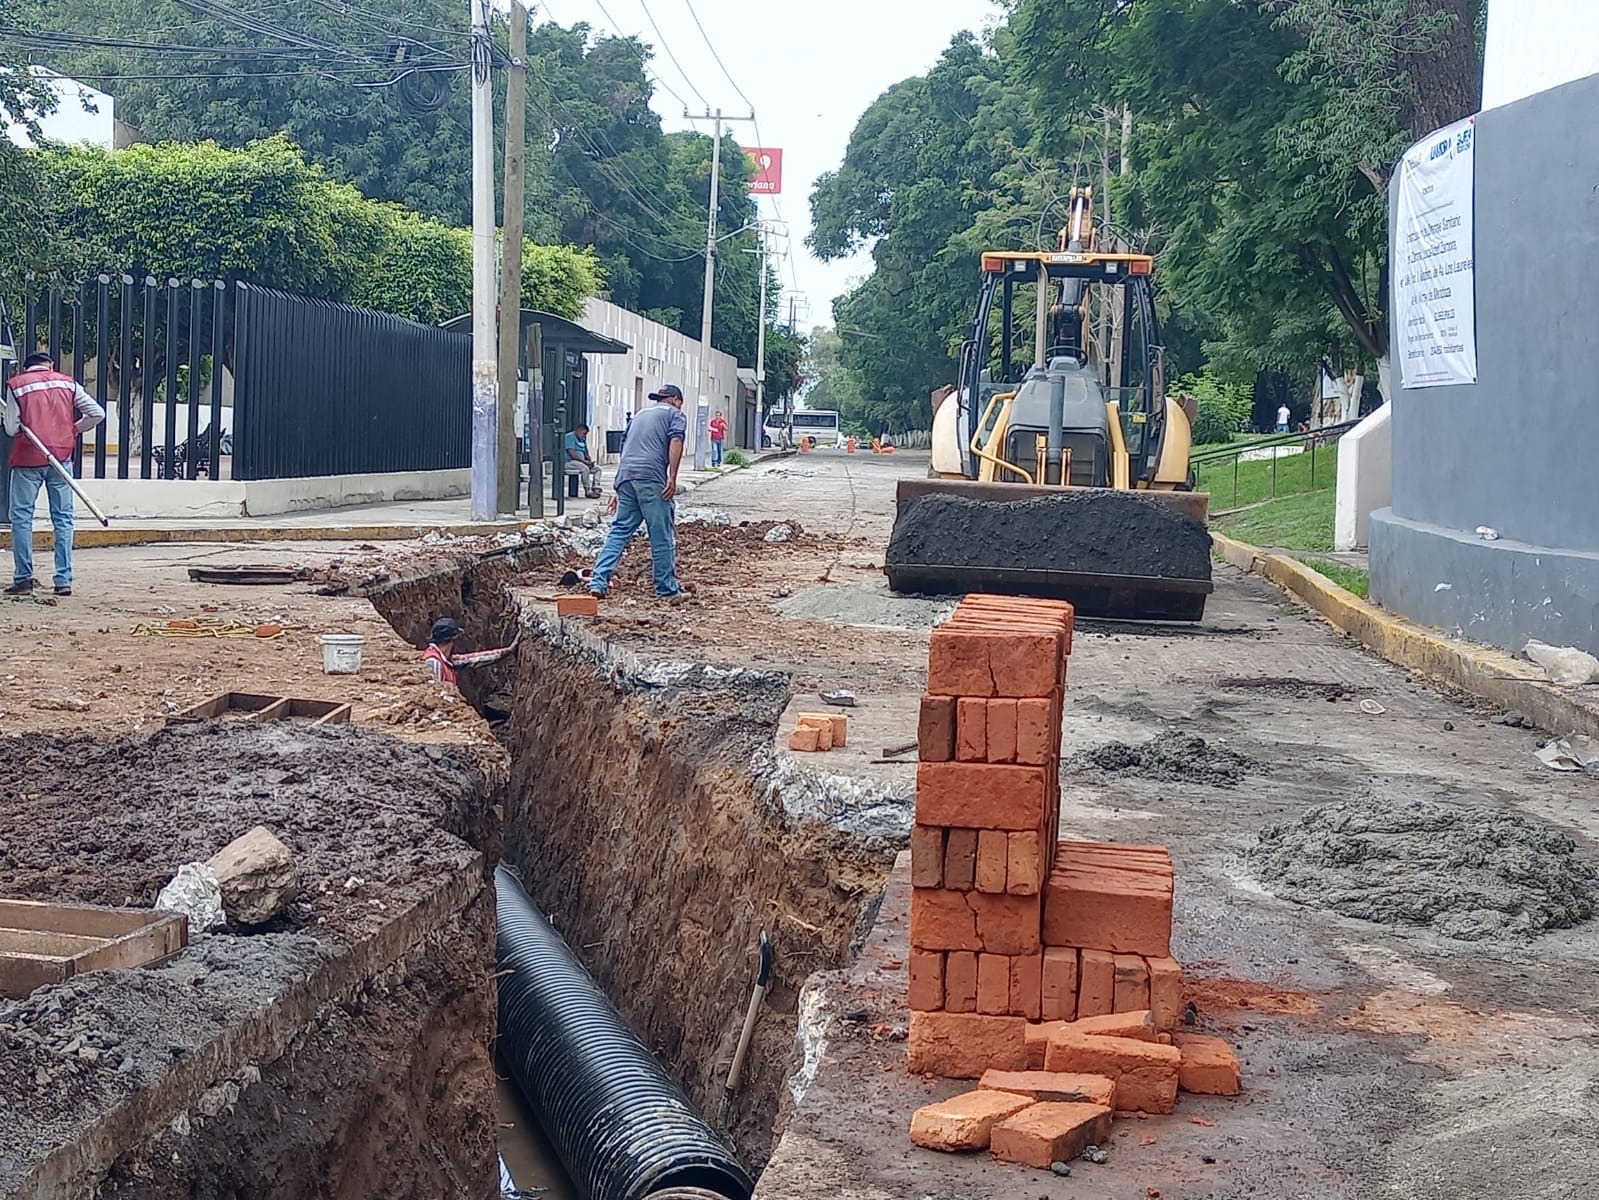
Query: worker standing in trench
x=441 y=660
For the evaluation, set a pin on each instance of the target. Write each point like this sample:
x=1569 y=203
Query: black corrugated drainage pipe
x=622 y=1128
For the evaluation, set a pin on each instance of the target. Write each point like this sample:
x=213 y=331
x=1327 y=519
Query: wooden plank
x=21 y=974
x=339 y=714
x=43 y=943
x=272 y=712
x=89 y=920
x=154 y=943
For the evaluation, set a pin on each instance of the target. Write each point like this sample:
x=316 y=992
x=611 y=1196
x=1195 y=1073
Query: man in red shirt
x=442 y=661
x=718 y=436
x=56 y=409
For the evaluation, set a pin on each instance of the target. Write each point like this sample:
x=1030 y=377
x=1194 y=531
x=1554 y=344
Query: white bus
x=820 y=425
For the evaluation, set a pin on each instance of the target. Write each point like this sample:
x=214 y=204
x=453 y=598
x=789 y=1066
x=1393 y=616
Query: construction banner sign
x=1435 y=284
x=768 y=180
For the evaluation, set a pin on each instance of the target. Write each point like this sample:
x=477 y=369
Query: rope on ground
x=212 y=629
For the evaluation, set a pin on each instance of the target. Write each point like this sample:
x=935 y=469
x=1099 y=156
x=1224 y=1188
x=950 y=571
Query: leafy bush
x=1223 y=407
x=736 y=458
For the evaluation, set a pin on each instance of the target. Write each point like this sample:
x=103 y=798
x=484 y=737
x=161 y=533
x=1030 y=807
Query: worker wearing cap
x=645 y=482
x=441 y=660
x=56 y=409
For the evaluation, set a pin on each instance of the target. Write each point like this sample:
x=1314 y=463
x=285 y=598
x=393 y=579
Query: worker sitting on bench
x=579 y=465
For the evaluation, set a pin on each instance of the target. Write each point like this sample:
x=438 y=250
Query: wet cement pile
x=1089 y=532
x=1171 y=756
x=866 y=604
x=1467 y=873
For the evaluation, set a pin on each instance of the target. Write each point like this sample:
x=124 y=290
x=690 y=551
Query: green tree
x=23 y=98
x=832 y=383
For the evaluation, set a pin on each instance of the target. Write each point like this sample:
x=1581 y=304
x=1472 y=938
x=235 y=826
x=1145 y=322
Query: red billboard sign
x=768 y=180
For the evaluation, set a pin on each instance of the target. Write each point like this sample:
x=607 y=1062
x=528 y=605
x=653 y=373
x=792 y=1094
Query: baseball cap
x=445 y=629
x=40 y=359
x=670 y=392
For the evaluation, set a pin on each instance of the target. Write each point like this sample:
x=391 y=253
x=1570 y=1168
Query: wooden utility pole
x=508 y=491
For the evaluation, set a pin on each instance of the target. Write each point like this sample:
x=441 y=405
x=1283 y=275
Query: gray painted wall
x=1519 y=449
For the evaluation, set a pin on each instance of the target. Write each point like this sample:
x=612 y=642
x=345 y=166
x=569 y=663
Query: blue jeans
x=639 y=502
x=716 y=452
x=25 y=485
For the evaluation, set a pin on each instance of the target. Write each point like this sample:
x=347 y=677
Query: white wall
x=71 y=122
x=1534 y=45
x=1365 y=479
x=620 y=384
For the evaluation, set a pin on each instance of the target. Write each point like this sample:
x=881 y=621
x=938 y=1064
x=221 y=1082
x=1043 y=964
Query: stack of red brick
x=1028 y=952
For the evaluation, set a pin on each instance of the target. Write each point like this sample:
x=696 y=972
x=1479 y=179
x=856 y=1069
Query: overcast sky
x=809 y=67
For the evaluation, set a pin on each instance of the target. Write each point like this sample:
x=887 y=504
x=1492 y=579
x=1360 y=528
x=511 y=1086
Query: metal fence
x=329 y=389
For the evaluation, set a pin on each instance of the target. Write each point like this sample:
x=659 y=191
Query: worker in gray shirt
x=645 y=482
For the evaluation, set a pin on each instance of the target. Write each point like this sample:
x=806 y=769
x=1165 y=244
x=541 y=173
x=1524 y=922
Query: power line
x=662 y=42
x=690 y=5
x=654 y=78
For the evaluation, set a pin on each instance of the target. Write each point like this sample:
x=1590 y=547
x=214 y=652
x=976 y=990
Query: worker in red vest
x=56 y=409
x=441 y=659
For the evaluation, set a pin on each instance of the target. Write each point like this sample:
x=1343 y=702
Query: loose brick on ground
x=1132 y=984
x=1138 y=1025
x=1002 y=731
x=942 y=920
x=927 y=856
x=1096 y=983
x=971 y=730
x=577 y=606
x=935 y=730
x=993 y=859
x=1166 y=992
x=1053 y=1086
x=1037 y=1040
x=960 y=860
x=823 y=724
x=993 y=984
x=1145 y=1072
x=1026 y=981
x=1024 y=870
x=1209 y=1066
x=1049 y=1133
x=964 y=1122
x=980 y=796
x=840 y=729
x=805 y=740
x=926 y=990
x=960 y=981
x=964 y=1045
x=1058 y=998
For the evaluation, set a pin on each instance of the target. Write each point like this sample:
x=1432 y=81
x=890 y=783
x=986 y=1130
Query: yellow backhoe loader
x=1063 y=471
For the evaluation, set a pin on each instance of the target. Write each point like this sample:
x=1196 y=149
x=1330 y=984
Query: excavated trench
x=643 y=816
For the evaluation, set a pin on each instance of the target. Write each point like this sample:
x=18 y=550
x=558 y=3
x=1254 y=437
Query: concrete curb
x=96 y=538
x=1489 y=674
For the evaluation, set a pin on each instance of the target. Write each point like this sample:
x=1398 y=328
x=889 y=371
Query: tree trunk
x=1447 y=76
x=1385 y=378
x=1354 y=385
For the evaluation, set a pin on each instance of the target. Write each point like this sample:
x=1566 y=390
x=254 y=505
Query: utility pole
x=510 y=466
x=1106 y=304
x=702 y=404
x=760 y=349
x=484 y=424
x=1118 y=327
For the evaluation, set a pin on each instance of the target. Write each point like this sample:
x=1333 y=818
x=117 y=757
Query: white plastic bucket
x=341 y=653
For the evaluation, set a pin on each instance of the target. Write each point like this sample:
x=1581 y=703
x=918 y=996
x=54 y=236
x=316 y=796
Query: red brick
x=960 y=860
x=1002 y=731
x=1209 y=1066
x=1049 y=1133
x=1136 y=1025
x=840 y=729
x=1096 y=983
x=927 y=856
x=971 y=730
x=1026 y=979
x=1024 y=868
x=960 y=981
x=980 y=796
x=1014 y=661
x=1118 y=911
x=1006 y=924
x=1037 y=732
x=942 y=920
x=957 y=664
x=964 y=1122
x=935 y=730
x=1052 y=1086
x=1132 y=984
x=993 y=855
x=1038 y=1035
x=805 y=740
x=1166 y=992
x=964 y=1045
x=993 y=984
x=926 y=990
x=577 y=606
x=1059 y=998
x=823 y=727
x=1145 y=1072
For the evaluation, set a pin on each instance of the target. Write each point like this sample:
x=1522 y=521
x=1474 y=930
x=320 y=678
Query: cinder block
x=935 y=730
x=805 y=740
x=964 y=1122
x=1145 y=1072
x=927 y=856
x=964 y=1045
x=1024 y=868
x=942 y=920
x=1049 y=1133
x=1059 y=991
x=1209 y=1066
x=577 y=606
x=1166 y=992
x=1096 y=983
x=925 y=992
x=1132 y=984
x=980 y=796
x=971 y=730
x=1026 y=982
x=1052 y=1086
x=1006 y=924
x=960 y=981
x=960 y=860
x=993 y=857
x=993 y=984
x=1037 y=732
x=1002 y=731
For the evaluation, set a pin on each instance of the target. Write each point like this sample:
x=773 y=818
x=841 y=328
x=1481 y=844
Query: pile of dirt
x=1089 y=532
x=708 y=551
x=1470 y=873
x=1171 y=756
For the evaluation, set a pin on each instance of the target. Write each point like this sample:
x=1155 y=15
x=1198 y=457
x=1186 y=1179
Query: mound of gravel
x=1171 y=756
x=1468 y=873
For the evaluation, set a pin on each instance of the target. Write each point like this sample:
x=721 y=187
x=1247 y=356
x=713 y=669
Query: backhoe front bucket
x=1136 y=555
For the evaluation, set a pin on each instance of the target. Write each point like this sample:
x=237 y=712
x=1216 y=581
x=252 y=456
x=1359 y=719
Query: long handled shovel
x=67 y=475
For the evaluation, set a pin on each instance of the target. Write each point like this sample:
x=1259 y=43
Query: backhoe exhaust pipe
x=1057 y=430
